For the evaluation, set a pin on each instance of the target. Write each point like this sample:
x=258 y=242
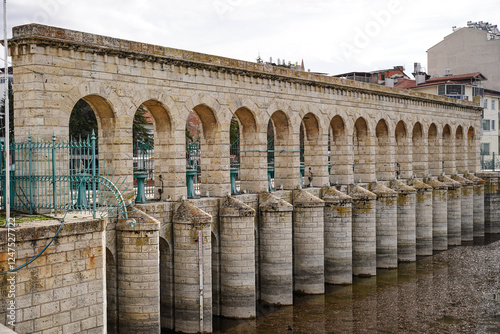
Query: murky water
x=456 y=291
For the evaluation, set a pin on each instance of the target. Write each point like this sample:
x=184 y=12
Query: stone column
x=276 y=252
x=138 y=275
x=364 y=237
x=193 y=310
x=423 y=217
x=478 y=207
x=466 y=207
x=386 y=226
x=454 y=210
x=407 y=226
x=308 y=243
x=439 y=214
x=237 y=254
x=491 y=202
x=338 y=237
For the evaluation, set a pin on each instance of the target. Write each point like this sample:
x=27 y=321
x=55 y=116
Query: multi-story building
x=490 y=139
x=475 y=48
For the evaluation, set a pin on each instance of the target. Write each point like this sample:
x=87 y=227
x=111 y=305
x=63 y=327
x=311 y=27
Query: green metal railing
x=144 y=181
x=193 y=168
x=234 y=154
x=59 y=176
x=270 y=165
x=490 y=162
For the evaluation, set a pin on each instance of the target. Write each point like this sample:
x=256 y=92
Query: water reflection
x=454 y=291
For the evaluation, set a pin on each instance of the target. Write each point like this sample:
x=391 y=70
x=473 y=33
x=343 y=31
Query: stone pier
x=478 y=205
x=386 y=226
x=423 y=217
x=364 y=235
x=276 y=250
x=308 y=243
x=466 y=206
x=454 y=215
x=237 y=257
x=192 y=286
x=439 y=214
x=407 y=227
x=338 y=237
x=491 y=201
x=138 y=275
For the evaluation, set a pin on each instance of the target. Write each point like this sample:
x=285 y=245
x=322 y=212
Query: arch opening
x=363 y=165
x=384 y=166
x=419 y=152
x=434 y=149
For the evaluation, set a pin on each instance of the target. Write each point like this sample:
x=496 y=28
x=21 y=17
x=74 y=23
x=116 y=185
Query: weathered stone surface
x=423 y=217
x=407 y=225
x=364 y=235
x=478 y=207
x=454 y=210
x=439 y=214
x=387 y=226
x=338 y=236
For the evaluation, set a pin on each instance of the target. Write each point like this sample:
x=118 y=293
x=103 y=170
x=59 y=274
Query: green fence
x=144 y=173
x=57 y=176
x=193 y=168
x=490 y=162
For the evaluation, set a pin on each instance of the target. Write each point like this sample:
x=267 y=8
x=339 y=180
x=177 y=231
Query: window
x=477 y=91
x=486 y=124
x=492 y=124
x=485 y=148
x=485 y=103
x=492 y=104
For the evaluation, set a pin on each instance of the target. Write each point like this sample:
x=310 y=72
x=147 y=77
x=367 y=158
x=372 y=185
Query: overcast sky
x=333 y=36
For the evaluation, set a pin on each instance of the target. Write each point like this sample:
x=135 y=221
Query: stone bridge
x=392 y=177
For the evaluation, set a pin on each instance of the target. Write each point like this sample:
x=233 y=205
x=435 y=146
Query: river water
x=454 y=291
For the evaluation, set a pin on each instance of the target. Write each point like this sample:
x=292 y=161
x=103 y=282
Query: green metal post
x=30 y=171
x=54 y=189
x=93 y=176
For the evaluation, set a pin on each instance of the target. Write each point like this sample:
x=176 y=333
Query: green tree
x=11 y=114
x=234 y=130
x=82 y=121
x=140 y=131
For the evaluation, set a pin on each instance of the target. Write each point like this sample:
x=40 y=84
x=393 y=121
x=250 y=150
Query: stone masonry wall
x=62 y=290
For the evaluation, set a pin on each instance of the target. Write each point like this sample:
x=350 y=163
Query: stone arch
x=252 y=165
x=472 y=153
x=419 y=151
x=166 y=285
x=340 y=152
x=111 y=293
x=364 y=169
x=214 y=146
x=448 y=151
x=315 y=155
x=163 y=156
x=460 y=151
x=434 y=149
x=403 y=151
x=286 y=153
x=384 y=152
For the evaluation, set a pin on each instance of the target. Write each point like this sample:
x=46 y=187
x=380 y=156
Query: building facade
x=467 y=50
